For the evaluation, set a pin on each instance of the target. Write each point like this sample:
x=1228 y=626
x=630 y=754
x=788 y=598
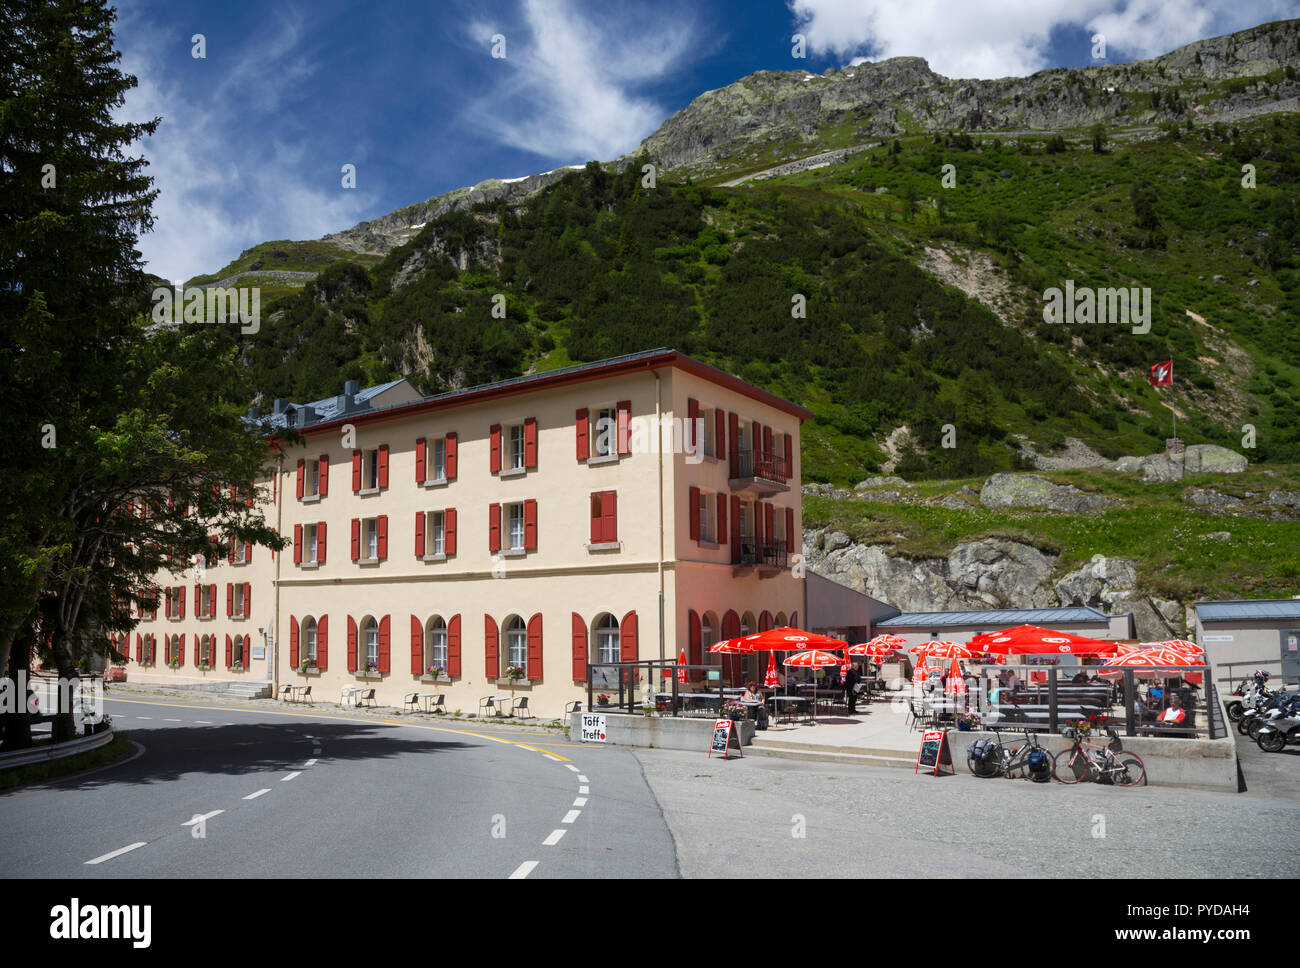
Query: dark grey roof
x=1256 y=609
x=996 y=618
x=327 y=409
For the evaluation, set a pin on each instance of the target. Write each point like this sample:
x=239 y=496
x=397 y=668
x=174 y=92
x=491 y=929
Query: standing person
x=851 y=688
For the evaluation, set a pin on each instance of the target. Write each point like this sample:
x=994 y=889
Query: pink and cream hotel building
x=536 y=522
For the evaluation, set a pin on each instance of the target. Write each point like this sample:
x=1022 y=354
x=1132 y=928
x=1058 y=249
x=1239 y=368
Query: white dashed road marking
x=554 y=838
x=171 y=720
x=117 y=853
x=286 y=779
x=254 y=796
x=572 y=767
x=311 y=763
x=144 y=717
x=199 y=819
x=203 y=721
x=580 y=802
x=584 y=789
x=523 y=870
x=582 y=779
x=571 y=816
x=550 y=756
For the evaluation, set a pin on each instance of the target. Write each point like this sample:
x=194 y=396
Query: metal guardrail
x=56 y=751
x=764 y=467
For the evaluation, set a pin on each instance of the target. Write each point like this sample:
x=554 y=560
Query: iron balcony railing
x=764 y=554
x=767 y=467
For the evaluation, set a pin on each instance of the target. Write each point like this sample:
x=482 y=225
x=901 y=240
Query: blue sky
x=255 y=133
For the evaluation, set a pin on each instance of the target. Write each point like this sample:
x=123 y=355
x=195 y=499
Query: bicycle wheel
x=987 y=767
x=1133 y=770
x=1071 y=766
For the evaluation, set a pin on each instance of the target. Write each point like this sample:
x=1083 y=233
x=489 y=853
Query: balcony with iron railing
x=760 y=474
x=769 y=556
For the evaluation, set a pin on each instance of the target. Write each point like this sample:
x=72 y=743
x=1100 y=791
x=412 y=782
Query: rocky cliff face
x=991 y=573
x=746 y=120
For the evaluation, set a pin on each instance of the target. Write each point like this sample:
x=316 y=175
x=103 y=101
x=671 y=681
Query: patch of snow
x=420 y=226
x=511 y=181
x=579 y=167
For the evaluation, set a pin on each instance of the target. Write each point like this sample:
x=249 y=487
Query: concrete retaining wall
x=661 y=732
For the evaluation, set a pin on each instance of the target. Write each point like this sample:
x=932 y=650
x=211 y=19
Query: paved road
x=304 y=794
x=768 y=817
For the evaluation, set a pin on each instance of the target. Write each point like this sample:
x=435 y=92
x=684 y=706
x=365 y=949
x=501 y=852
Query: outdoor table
x=349 y=692
x=785 y=699
x=425 y=698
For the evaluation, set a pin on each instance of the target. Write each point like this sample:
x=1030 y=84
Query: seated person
x=1174 y=714
x=1080 y=676
x=1156 y=693
x=751 y=694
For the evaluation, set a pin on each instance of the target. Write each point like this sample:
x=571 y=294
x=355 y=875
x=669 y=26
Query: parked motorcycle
x=1244 y=696
x=1279 y=727
x=1252 y=719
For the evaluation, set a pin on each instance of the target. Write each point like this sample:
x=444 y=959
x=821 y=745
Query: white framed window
x=310 y=550
x=370 y=538
x=607 y=638
x=710 y=433
x=435 y=644
x=239 y=600
x=516 y=650
x=706 y=519
x=308 y=636
x=604 y=435
x=241 y=552
x=174 y=597
x=205 y=650
x=435 y=533
x=370 y=469
x=205 y=601
x=370 y=643
x=312 y=488
x=515 y=526
x=516 y=442
x=437 y=460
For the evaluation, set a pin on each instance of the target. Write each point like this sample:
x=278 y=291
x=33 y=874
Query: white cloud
x=568 y=88
x=226 y=175
x=963 y=39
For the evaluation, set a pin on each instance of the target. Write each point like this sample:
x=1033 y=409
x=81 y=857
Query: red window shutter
x=733 y=438
x=383 y=536
x=248 y=552
x=324 y=466
x=419 y=460
x=597 y=517
x=610 y=510
x=302 y=473
x=320 y=542
x=228 y=650
x=419 y=534
x=356 y=471
x=789 y=532
x=352 y=644
x=384 y=629
x=494 y=528
x=212 y=601
x=417 y=647
x=491 y=663
x=788 y=444
x=230 y=599
x=579 y=639
x=180 y=598
x=695 y=641
x=580 y=426
x=230 y=555
x=198 y=650
x=180 y=651
x=722 y=519
x=383 y=465
x=139 y=647
x=530 y=525
x=322 y=642
x=167 y=602
x=451 y=457
x=627 y=646
x=356 y=541
x=494 y=458
x=198 y=601
x=692 y=415
x=771 y=522
x=297 y=544
x=246 y=653
x=453 y=647
x=625 y=426
x=694 y=498
x=760 y=519
x=530 y=442
x=449 y=531
x=735 y=528
x=534 y=666
x=720 y=433
x=248 y=598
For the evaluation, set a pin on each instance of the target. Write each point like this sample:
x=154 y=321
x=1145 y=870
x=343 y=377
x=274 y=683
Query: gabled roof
x=996 y=618
x=1256 y=609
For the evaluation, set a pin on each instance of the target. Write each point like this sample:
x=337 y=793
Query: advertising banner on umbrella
x=770 y=679
x=681 y=672
x=1032 y=640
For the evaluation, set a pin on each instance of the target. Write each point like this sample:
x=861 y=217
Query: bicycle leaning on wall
x=1105 y=764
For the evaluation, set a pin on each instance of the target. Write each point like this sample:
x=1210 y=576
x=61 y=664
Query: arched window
x=607 y=640
x=307 y=640
x=205 y=650
x=516 y=650
x=781 y=620
x=708 y=635
x=370 y=643
x=435 y=644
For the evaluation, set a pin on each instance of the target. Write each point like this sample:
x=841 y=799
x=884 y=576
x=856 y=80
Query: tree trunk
x=65 y=726
x=16 y=727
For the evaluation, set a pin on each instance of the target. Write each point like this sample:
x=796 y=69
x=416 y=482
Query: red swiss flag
x=1162 y=374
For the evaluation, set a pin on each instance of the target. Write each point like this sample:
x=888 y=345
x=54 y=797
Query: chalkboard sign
x=725 y=738
x=934 y=753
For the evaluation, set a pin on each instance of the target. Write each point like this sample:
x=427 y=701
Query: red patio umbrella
x=945 y=650
x=787 y=639
x=956 y=685
x=770 y=679
x=681 y=672
x=879 y=647
x=813 y=659
x=1154 y=657
x=1032 y=640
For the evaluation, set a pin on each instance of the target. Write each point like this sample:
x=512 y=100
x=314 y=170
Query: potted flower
x=434 y=672
x=514 y=673
x=733 y=709
x=204 y=667
x=174 y=663
x=237 y=667
x=967 y=721
x=306 y=665
x=603 y=699
x=1081 y=726
x=371 y=667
